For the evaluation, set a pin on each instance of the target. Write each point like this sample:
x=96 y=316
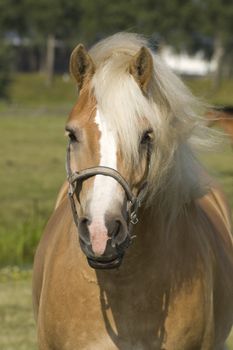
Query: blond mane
x=169 y=108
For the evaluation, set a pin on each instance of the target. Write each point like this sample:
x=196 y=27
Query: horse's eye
x=72 y=137
x=146 y=137
x=72 y=134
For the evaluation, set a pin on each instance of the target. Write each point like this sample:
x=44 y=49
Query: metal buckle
x=133 y=218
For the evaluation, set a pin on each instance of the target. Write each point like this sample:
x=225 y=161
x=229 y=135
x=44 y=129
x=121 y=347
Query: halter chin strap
x=75 y=180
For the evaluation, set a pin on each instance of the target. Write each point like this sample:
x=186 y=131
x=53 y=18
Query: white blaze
x=104 y=188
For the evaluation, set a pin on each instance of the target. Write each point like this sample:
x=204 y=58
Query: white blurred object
x=183 y=63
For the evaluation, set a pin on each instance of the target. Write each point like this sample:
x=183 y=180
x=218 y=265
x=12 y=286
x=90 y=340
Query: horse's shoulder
x=59 y=219
x=215 y=205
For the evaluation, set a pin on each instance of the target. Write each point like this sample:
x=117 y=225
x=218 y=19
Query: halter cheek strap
x=76 y=179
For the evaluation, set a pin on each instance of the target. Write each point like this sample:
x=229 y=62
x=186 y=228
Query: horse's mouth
x=105 y=264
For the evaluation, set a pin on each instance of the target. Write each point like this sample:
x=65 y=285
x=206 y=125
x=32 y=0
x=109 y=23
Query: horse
x=222 y=117
x=138 y=252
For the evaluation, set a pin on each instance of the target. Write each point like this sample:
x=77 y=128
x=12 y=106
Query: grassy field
x=32 y=153
x=32 y=168
x=203 y=89
x=17 y=326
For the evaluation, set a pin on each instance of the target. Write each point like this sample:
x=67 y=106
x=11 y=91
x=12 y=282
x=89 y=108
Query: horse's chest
x=133 y=319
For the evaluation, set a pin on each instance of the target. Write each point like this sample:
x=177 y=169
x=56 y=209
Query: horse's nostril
x=84 y=221
x=116 y=229
x=83 y=229
x=114 y=234
x=117 y=232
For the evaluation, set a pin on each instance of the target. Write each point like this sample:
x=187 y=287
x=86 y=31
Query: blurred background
x=36 y=94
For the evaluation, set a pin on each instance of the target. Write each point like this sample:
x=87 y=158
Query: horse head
x=107 y=183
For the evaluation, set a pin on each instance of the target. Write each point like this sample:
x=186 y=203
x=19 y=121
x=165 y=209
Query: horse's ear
x=141 y=67
x=81 y=65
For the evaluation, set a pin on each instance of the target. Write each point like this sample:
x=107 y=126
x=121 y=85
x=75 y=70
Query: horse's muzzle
x=117 y=241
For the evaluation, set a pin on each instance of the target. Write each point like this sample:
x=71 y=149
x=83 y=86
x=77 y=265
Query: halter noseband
x=75 y=180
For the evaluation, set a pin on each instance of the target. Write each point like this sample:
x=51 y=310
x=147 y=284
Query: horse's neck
x=155 y=227
x=149 y=246
x=162 y=247
x=155 y=251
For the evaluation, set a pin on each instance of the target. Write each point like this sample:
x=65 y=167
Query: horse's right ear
x=81 y=65
x=141 y=68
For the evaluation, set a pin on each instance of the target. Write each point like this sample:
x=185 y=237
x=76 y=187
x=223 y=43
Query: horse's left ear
x=81 y=65
x=141 y=67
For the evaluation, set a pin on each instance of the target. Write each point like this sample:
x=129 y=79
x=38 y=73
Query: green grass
x=32 y=158
x=220 y=166
x=202 y=87
x=32 y=90
x=17 y=329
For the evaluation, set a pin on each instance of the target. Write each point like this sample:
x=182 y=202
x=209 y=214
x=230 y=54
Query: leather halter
x=75 y=180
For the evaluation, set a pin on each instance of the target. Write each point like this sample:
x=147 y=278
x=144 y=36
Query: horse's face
x=101 y=203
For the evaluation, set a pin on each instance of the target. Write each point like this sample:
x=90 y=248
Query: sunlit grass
x=17 y=329
x=220 y=166
x=32 y=168
x=202 y=87
x=31 y=90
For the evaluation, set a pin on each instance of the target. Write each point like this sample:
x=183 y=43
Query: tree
x=50 y=21
x=216 y=17
x=7 y=18
x=191 y=25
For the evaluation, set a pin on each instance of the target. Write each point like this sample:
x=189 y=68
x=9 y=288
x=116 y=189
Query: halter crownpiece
x=75 y=180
